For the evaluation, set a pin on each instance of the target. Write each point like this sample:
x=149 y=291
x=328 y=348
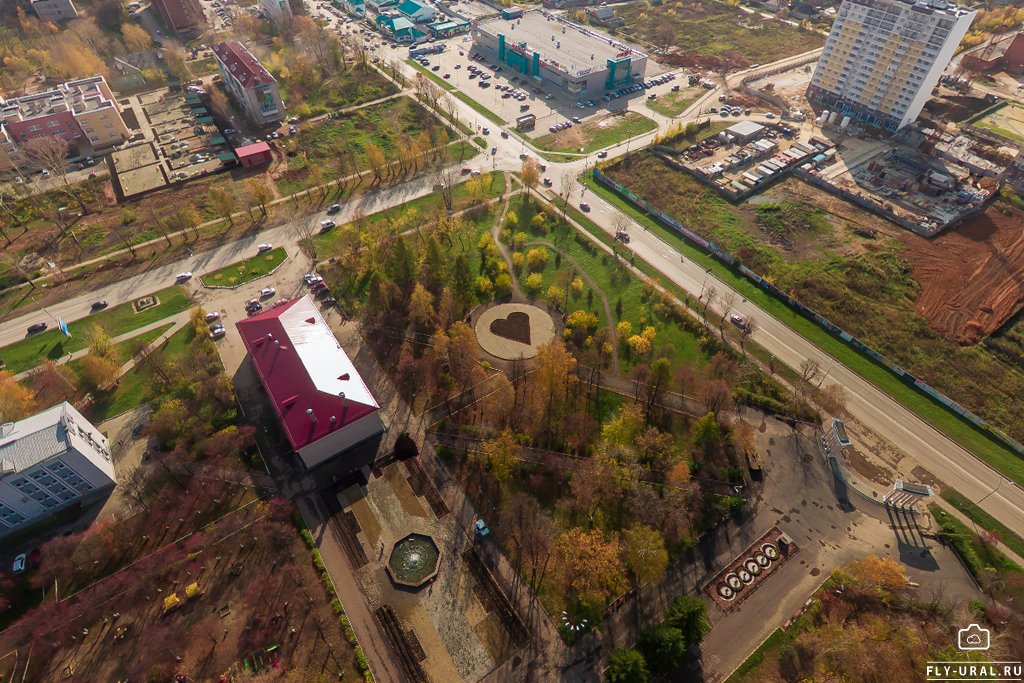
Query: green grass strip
x=985 y=446
x=984 y=520
x=52 y=345
x=247 y=270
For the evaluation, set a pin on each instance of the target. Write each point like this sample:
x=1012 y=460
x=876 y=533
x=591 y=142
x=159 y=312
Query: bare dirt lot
x=972 y=277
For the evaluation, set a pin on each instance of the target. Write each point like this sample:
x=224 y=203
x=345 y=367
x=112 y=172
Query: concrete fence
x=851 y=341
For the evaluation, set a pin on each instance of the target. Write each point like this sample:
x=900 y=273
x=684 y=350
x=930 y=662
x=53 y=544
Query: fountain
x=414 y=561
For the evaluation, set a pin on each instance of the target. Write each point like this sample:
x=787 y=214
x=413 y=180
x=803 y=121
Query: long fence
x=731 y=261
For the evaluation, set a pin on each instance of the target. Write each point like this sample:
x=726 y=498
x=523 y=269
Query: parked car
x=602 y=155
x=266 y=246
x=326 y=225
x=212 y=315
x=98 y=305
x=183 y=277
x=19 y=564
x=312 y=278
x=585 y=207
x=738 y=320
x=333 y=209
x=267 y=292
x=217 y=331
x=280 y=302
x=547 y=182
x=38 y=327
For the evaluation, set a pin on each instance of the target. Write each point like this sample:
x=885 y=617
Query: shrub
x=361 y=664
x=533 y=283
x=627 y=666
x=537 y=258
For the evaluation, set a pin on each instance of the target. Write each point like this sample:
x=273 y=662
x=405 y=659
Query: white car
x=19 y=564
x=267 y=292
x=212 y=316
x=326 y=225
x=182 y=277
x=738 y=320
x=264 y=247
x=217 y=332
x=312 y=278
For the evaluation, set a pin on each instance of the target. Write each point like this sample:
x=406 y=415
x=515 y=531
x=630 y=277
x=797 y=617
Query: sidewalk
x=176 y=322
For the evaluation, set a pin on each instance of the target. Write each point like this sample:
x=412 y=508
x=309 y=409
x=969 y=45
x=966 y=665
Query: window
x=34 y=127
x=53 y=124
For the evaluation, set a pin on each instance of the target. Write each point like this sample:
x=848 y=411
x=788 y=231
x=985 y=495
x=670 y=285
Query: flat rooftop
x=575 y=51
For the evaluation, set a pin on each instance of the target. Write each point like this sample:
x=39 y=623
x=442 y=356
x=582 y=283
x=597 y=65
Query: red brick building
x=1007 y=53
x=181 y=16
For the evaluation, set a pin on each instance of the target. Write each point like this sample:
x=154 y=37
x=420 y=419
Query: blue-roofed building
x=356 y=8
x=400 y=28
x=48 y=462
x=417 y=13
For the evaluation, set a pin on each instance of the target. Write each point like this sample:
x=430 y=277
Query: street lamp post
x=707 y=272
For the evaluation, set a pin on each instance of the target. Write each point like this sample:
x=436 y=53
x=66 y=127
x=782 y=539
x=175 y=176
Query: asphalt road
x=889 y=419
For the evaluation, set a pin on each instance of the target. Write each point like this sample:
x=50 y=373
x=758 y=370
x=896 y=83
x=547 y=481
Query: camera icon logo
x=973 y=637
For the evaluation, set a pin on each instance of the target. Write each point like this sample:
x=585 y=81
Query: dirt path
x=517 y=292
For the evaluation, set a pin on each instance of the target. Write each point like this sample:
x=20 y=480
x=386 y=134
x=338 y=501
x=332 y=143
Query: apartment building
x=48 y=462
x=84 y=113
x=883 y=57
x=252 y=87
x=181 y=16
x=278 y=11
x=55 y=10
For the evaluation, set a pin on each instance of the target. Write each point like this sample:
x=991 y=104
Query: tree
x=809 y=371
x=421 y=306
x=878 y=572
x=220 y=105
x=717 y=396
x=749 y=328
x=16 y=401
x=627 y=666
x=590 y=565
x=706 y=433
x=132 y=484
x=645 y=554
x=623 y=429
x=530 y=174
x=259 y=193
x=832 y=399
x=177 y=64
x=376 y=161
x=51 y=153
x=664 y=647
x=136 y=38
x=99 y=372
x=109 y=14
x=689 y=615
x=460 y=350
x=499 y=455
x=536 y=259
x=552 y=380
x=222 y=202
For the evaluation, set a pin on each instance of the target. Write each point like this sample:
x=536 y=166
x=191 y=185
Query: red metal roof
x=242 y=65
x=312 y=384
x=252 y=150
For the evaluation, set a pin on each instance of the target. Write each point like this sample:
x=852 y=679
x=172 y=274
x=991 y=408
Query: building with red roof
x=325 y=409
x=181 y=16
x=253 y=88
x=254 y=154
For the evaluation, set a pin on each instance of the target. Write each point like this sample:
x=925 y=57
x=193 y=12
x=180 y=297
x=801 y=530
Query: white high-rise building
x=883 y=57
x=48 y=462
x=278 y=11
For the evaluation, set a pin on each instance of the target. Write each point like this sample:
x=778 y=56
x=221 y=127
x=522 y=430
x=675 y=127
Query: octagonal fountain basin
x=414 y=561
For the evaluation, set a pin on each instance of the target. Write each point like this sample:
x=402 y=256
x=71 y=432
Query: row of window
x=52 y=485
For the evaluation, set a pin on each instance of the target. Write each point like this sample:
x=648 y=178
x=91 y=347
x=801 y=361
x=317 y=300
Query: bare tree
x=132 y=484
x=447 y=177
x=728 y=301
x=809 y=371
x=749 y=328
x=709 y=296
x=565 y=187
x=51 y=154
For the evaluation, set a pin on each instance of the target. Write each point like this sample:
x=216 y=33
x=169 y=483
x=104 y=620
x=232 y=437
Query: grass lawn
x=331 y=243
x=136 y=384
x=339 y=146
x=32 y=351
x=984 y=520
x=984 y=446
x=596 y=134
x=675 y=103
x=345 y=88
x=978 y=557
x=718 y=36
x=771 y=645
x=124 y=348
x=624 y=291
x=1012 y=135
x=247 y=270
